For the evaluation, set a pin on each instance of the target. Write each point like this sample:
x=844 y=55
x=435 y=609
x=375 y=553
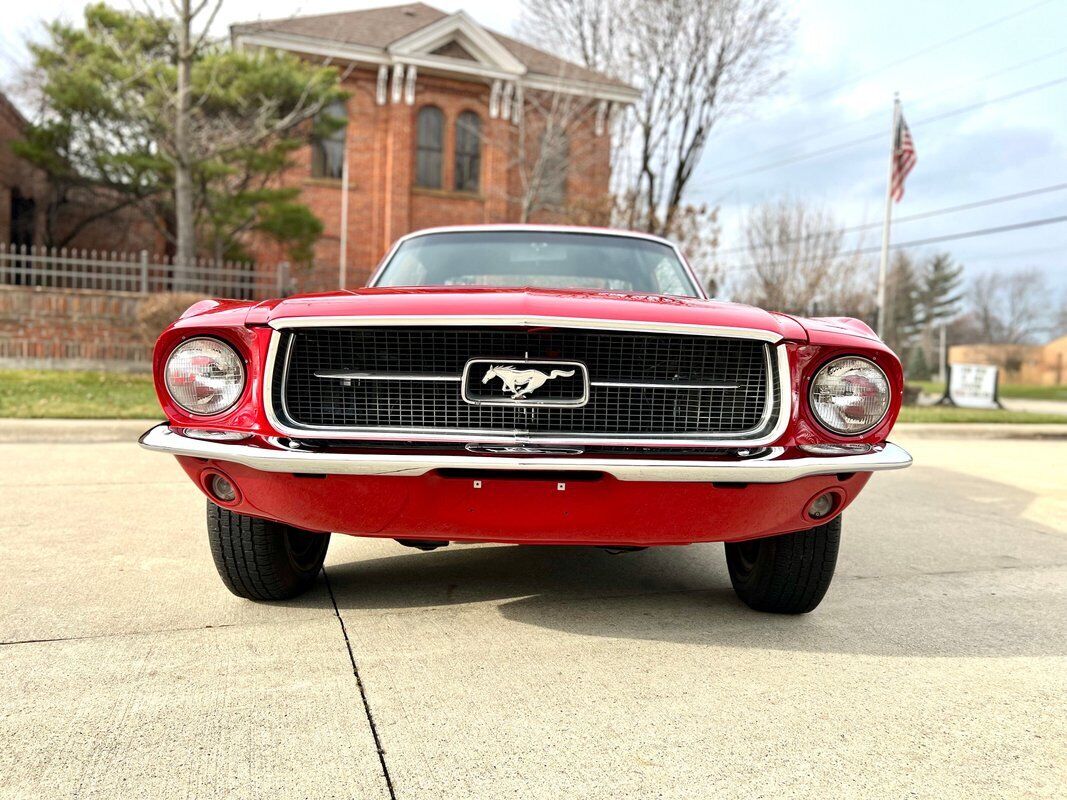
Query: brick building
x=446 y=123
x=21 y=186
x=33 y=212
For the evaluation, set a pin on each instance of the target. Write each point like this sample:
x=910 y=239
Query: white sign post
x=972 y=386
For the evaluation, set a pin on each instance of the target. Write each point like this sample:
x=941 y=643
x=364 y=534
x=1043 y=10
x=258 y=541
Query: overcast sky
x=848 y=59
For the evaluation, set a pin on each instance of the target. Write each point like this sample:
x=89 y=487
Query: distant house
x=1043 y=365
x=32 y=212
x=22 y=186
x=446 y=124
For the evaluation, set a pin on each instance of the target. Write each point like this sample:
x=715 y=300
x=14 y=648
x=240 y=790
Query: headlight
x=204 y=376
x=850 y=395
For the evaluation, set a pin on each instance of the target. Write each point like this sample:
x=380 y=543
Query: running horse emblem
x=521 y=382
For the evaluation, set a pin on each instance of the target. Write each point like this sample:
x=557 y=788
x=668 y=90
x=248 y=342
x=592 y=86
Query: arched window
x=468 y=151
x=328 y=141
x=429 y=146
x=555 y=160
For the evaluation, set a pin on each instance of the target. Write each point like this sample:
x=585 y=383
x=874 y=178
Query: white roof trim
x=561 y=85
x=312 y=45
x=325 y=48
x=479 y=42
x=455 y=65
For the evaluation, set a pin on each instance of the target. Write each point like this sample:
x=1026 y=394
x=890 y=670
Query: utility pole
x=942 y=356
x=184 y=211
x=883 y=267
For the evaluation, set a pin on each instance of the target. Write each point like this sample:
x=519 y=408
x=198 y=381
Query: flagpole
x=342 y=261
x=883 y=267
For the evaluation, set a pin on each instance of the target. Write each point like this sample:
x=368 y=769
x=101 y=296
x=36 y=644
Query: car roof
x=519 y=228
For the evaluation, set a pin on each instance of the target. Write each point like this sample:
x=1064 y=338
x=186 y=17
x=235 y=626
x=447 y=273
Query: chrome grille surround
x=771 y=424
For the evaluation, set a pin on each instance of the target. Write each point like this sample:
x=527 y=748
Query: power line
x=879 y=136
x=921 y=100
x=1034 y=223
x=918 y=54
x=1018 y=226
x=1017 y=253
x=929 y=49
x=1058 y=187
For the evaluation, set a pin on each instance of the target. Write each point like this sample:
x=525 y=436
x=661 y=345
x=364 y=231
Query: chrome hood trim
x=784 y=388
x=529 y=321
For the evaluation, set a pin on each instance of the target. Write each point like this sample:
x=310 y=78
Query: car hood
x=525 y=302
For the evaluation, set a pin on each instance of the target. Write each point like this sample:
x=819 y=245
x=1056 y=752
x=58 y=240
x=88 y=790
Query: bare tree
x=694 y=61
x=1059 y=317
x=1011 y=308
x=797 y=262
x=553 y=140
x=147 y=105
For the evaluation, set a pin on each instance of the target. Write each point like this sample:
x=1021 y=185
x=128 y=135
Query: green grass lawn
x=77 y=395
x=114 y=395
x=1019 y=391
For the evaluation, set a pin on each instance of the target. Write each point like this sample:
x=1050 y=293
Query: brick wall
x=71 y=329
x=383 y=202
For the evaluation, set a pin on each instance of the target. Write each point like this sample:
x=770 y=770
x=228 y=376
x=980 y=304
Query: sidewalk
x=73 y=431
x=1035 y=406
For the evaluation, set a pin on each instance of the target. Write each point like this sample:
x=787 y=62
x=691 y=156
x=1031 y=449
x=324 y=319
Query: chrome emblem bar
x=520 y=380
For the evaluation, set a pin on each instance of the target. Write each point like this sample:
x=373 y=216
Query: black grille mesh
x=608 y=355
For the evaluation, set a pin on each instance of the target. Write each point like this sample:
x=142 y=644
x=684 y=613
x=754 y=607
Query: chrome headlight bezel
x=234 y=392
x=828 y=424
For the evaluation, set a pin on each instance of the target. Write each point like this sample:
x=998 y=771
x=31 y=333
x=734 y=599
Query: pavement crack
x=953 y=572
x=362 y=690
x=116 y=634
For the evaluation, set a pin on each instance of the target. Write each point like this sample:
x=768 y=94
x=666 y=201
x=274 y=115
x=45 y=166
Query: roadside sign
x=972 y=386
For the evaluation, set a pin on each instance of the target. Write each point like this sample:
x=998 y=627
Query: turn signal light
x=821 y=506
x=220 y=488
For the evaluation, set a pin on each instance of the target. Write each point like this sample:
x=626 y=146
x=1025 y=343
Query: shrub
x=161 y=310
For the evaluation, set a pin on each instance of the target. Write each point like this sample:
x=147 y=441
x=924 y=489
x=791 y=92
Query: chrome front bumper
x=270 y=455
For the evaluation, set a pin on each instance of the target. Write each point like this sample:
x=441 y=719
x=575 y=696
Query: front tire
x=786 y=574
x=262 y=560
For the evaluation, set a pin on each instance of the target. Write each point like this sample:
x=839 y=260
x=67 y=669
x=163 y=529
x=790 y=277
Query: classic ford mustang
x=531 y=385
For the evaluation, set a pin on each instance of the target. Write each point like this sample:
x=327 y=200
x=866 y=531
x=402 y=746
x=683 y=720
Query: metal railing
x=140 y=273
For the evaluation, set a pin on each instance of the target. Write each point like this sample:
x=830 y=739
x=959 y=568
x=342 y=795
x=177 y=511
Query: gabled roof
x=12 y=111
x=398 y=33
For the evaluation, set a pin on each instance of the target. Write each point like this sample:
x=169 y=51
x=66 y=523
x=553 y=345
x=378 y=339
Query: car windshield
x=549 y=259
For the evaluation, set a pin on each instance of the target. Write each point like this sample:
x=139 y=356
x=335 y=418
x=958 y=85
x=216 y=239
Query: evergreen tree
x=903 y=296
x=938 y=301
x=111 y=121
x=941 y=290
x=916 y=367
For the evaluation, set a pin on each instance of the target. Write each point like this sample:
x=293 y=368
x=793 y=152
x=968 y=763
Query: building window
x=555 y=158
x=429 y=146
x=328 y=141
x=468 y=151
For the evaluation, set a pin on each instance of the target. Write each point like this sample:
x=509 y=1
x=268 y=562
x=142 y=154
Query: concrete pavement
x=937 y=665
x=1035 y=406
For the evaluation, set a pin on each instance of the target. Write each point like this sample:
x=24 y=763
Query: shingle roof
x=380 y=27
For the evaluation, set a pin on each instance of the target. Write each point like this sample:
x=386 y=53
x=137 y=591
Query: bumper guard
x=776 y=466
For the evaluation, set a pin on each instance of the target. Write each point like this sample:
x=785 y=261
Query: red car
x=531 y=385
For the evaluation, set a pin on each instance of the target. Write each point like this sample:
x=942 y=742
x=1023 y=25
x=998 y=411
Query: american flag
x=904 y=159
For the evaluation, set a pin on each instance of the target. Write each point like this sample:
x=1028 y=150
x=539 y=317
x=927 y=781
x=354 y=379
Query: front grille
x=407 y=378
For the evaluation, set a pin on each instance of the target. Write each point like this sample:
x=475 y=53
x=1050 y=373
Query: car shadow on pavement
x=904 y=586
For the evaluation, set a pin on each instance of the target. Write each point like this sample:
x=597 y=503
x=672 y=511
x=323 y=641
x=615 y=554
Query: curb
x=73 y=431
